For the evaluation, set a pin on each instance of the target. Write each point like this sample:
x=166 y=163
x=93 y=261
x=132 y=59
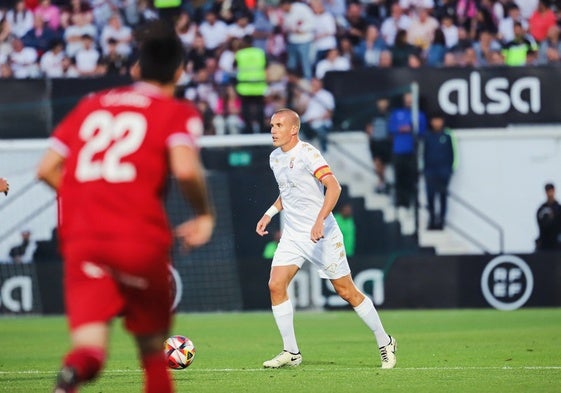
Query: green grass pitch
x=438 y=351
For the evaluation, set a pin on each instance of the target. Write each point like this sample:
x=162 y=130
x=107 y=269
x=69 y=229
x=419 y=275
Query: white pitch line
x=335 y=369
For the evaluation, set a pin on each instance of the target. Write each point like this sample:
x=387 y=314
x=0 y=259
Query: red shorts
x=106 y=279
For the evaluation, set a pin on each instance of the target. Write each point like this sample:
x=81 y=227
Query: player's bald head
x=291 y=116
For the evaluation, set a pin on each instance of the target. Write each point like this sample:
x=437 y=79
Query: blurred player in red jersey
x=109 y=160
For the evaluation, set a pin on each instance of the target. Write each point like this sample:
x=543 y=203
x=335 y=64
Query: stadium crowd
x=91 y=38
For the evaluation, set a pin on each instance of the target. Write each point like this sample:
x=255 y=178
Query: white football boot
x=387 y=354
x=284 y=358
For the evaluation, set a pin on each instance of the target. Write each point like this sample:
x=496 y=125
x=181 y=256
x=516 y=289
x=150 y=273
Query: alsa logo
x=495 y=97
x=16 y=294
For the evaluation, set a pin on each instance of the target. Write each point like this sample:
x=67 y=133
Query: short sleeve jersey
x=116 y=144
x=298 y=173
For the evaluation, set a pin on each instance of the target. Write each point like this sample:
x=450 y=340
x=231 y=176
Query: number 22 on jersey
x=117 y=136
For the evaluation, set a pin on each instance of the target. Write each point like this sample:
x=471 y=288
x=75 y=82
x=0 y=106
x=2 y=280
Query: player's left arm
x=332 y=193
x=50 y=168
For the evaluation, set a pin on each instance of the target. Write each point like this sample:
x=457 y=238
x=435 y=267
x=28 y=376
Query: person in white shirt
x=241 y=26
x=23 y=60
x=325 y=30
x=118 y=31
x=308 y=193
x=506 y=25
x=20 y=18
x=73 y=34
x=317 y=117
x=332 y=62
x=51 y=62
x=398 y=20
x=214 y=31
x=299 y=25
x=87 y=58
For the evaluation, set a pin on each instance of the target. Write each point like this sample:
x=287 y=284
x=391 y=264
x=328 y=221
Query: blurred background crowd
x=301 y=42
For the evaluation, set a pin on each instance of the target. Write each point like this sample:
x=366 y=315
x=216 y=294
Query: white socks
x=284 y=317
x=369 y=315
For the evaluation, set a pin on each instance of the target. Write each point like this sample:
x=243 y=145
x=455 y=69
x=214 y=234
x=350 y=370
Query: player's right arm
x=186 y=166
x=266 y=219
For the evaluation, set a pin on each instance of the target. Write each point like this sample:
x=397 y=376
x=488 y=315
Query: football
x=180 y=352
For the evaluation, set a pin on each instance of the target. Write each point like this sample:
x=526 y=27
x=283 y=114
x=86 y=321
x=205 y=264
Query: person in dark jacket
x=549 y=221
x=438 y=160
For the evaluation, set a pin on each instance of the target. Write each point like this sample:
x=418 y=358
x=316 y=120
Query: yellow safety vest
x=251 y=76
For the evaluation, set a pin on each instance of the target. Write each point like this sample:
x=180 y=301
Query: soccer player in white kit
x=311 y=233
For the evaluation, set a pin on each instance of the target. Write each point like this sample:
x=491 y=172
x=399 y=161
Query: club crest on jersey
x=291 y=164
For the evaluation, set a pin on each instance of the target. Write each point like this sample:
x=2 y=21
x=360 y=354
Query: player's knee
x=350 y=294
x=277 y=288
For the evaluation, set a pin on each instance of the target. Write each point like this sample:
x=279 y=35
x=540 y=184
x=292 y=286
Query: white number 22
x=117 y=136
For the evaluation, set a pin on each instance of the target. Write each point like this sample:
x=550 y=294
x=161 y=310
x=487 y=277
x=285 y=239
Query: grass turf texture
x=438 y=351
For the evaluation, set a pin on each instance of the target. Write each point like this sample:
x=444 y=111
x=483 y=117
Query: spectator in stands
x=549 y=51
x=380 y=143
x=74 y=8
x=437 y=50
x=401 y=50
x=466 y=10
x=332 y=62
x=49 y=14
x=484 y=46
x=275 y=46
x=23 y=252
x=506 y=26
x=214 y=32
x=345 y=220
x=251 y=85
x=317 y=118
x=445 y=9
x=355 y=28
x=23 y=60
x=263 y=25
x=516 y=51
x=527 y=7
x=226 y=72
x=120 y=33
x=197 y=55
x=4 y=186
x=438 y=163
x=483 y=22
x=398 y=20
x=113 y=62
x=299 y=25
x=421 y=30
x=88 y=57
x=186 y=29
x=325 y=30
x=5 y=38
x=20 y=18
x=337 y=8
x=541 y=20
x=51 y=63
x=241 y=26
x=450 y=31
x=40 y=36
x=227 y=117
x=79 y=26
x=369 y=50
x=227 y=10
x=549 y=221
x=404 y=149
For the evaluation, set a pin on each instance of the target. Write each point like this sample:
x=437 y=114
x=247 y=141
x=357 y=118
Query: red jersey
x=116 y=147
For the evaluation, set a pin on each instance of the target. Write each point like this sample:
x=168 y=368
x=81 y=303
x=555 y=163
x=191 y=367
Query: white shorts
x=328 y=255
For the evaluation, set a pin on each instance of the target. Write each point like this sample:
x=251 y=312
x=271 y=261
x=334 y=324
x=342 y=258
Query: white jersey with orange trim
x=299 y=172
